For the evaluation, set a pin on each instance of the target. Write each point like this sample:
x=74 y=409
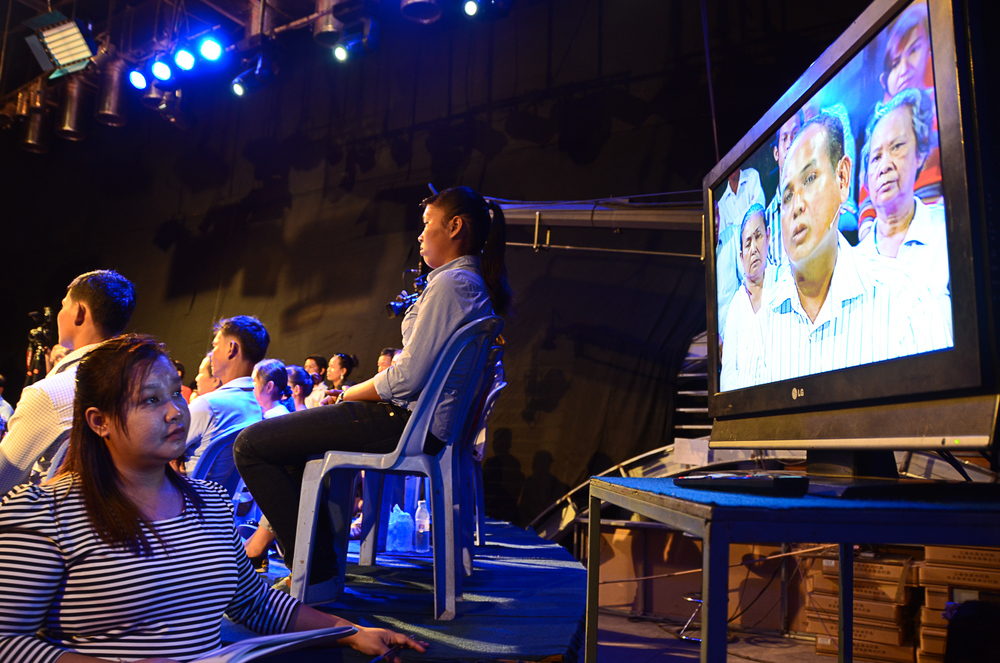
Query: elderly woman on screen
x=119 y=557
x=908 y=233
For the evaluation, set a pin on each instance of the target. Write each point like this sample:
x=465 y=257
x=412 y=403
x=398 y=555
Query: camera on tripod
x=398 y=307
x=42 y=334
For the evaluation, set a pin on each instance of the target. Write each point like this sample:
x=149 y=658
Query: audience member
x=337 y=373
x=905 y=229
x=743 y=190
x=6 y=409
x=907 y=65
x=742 y=326
x=54 y=355
x=463 y=242
x=316 y=366
x=302 y=385
x=385 y=358
x=97 y=306
x=185 y=390
x=106 y=550
x=205 y=382
x=825 y=308
x=783 y=140
x=270 y=387
x=239 y=343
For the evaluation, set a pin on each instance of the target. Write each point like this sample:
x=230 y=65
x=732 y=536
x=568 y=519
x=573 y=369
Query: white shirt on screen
x=872 y=312
x=923 y=255
x=741 y=336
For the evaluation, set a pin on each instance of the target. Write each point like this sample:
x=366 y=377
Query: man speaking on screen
x=834 y=308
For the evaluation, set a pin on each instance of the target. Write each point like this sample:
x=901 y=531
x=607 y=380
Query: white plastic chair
x=460 y=365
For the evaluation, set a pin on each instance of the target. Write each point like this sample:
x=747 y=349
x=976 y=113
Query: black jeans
x=271 y=456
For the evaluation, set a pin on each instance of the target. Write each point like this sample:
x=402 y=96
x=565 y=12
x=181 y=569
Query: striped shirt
x=873 y=312
x=772 y=214
x=62 y=589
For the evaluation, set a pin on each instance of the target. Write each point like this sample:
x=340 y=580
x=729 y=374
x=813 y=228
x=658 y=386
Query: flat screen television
x=848 y=252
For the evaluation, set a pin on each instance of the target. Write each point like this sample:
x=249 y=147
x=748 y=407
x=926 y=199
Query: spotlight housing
x=261 y=72
x=355 y=43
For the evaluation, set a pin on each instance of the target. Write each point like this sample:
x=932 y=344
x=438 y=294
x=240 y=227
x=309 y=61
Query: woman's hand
x=332 y=396
x=377 y=641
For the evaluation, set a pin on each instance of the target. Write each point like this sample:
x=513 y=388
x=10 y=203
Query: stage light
x=184 y=58
x=487 y=10
x=137 y=79
x=111 y=101
x=60 y=43
x=70 y=121
x=356 y=43
x=260 y=73
x=210 y=49
x=161 y=70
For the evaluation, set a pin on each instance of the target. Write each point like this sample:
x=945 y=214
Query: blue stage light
x=210 y=49
x=471 y=7
x=184 y=59
x=161 y=70
x=137 y=79
x=238 y=87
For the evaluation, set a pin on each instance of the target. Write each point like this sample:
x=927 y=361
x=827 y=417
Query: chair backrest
x=460 y=367
x=217 y=464
x=59 y=449
x=495 y=386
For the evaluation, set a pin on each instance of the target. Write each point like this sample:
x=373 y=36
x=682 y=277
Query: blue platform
x=524 y=602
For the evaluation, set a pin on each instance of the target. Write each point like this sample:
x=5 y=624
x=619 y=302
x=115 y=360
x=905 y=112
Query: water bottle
x=423 y=524
x=399 y=537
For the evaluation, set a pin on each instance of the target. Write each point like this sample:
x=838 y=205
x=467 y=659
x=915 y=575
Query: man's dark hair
x=249 y=332
x=109 y=296
x=388 y=352
x=180 y=368
x=321 y=361
x=834 y=130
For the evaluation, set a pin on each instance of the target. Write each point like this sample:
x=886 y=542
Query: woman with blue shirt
x=463 y=242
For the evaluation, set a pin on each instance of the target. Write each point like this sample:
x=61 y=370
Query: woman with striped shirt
x=121 y=558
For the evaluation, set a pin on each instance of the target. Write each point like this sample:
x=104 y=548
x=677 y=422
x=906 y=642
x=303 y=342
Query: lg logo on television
x=798 y=393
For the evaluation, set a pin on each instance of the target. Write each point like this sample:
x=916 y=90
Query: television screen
x=831 y=238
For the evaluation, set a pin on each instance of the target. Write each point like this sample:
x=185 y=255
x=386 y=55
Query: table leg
x=593 y=578
x=714 y=593
x=845 y=630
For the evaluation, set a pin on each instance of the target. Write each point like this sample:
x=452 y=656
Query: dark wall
x=298 y=203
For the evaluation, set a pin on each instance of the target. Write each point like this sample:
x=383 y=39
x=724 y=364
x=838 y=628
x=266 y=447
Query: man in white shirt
x=834 y=308
x=97 y=306
x=219 y=416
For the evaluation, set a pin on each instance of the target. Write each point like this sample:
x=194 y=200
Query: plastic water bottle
x=423 y=523
x=399 y=538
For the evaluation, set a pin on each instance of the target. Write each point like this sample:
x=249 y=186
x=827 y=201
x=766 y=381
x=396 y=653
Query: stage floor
x=524 y=602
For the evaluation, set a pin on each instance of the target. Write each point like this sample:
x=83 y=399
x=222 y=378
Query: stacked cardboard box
x=952 y=573
x=884 y=605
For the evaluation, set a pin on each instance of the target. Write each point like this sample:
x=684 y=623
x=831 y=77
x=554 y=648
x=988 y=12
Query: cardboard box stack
x=885 y=601
x=952 y=573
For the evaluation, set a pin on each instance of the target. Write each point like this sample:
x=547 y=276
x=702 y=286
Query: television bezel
x=961 y=370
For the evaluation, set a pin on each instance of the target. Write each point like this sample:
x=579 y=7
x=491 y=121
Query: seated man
x=97 y=306
x=218 y=416
x=834 y=308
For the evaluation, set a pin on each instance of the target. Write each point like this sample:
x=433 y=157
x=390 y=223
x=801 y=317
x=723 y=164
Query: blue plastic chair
x=461 y=366
x=217 y=464
x=473 y=461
